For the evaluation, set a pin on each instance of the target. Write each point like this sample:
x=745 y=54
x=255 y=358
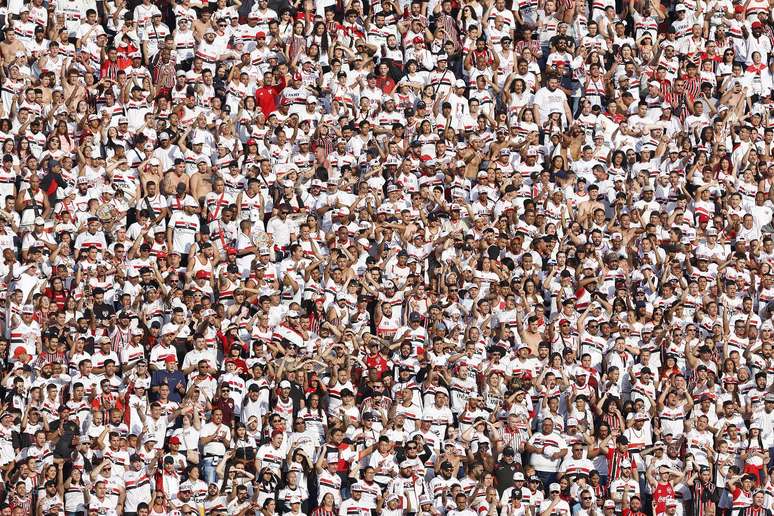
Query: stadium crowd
x=386 y=258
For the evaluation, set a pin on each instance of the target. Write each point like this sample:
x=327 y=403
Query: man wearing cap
x=758 y=42
x=184 y=496
x=133 y=351
x=624 y=482
x=442 y=483
x=295 y=506
x=283 y=404
x=171 y=377
x=25 y=332
x=355 y=505
x=554 y=503
x=164 y=350
x=183 y=229
x=506 y=471
x=408 y=487
x=442 y=79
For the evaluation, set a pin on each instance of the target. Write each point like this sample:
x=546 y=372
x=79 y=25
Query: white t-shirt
x=551 y=443
x=550 y=101
x=216 y=448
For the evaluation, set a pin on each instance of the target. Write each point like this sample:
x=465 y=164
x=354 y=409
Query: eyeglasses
x=586 y=498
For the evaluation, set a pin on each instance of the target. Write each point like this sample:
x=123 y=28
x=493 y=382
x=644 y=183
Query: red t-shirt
x=663 y=491
x=377 y=362
x=266 y=98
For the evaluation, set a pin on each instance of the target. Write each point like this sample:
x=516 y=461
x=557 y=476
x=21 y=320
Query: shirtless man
x=201 y=184
x=530 y=335
x=150 y=172
x=201 y=24
x=176 y=176
x=586 y=208
x=74 y=89
x=472 y=156
x=11 y=46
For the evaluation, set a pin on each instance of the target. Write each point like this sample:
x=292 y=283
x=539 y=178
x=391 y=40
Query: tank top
x=741 y=499
x=250 y=207
x=30 y=210
x=285 y=409
x=227 y=294
x=389 y=326
x=663 y=491
x=199 y=266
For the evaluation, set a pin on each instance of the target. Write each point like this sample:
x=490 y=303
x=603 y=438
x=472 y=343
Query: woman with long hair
x=244 y=445
x=755 y=455
x=609 y=410
x=314 y=416
x=266 y=485
x=50 y=473
x=75 y=493
x=327 y=506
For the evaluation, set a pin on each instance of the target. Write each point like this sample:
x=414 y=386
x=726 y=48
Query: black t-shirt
x=504 y=474
x=102 y=311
